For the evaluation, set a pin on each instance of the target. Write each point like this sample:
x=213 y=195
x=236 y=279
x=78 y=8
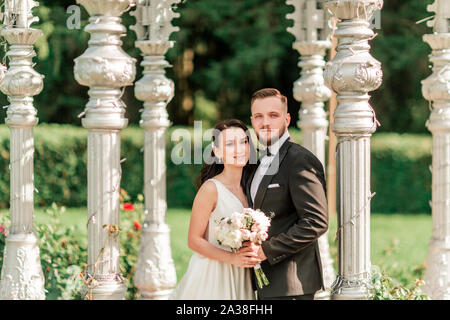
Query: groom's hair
x=269 y=92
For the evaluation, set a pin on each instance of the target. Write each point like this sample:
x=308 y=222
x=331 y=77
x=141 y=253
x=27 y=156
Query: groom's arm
x=308 y=193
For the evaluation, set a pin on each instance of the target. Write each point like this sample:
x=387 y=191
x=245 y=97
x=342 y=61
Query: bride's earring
x=218 y=159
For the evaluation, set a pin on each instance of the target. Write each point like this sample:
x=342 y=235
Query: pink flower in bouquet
x=255 y=227
x=245 y=234
x=236 y=221
x=253 y=236
x=263 y=235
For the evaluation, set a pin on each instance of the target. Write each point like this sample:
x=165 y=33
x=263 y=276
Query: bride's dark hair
x=213 y=166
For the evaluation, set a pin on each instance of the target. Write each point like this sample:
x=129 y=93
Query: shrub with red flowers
x=4 y=230
x=129 y=232
x=132 y=217
x=64 y=255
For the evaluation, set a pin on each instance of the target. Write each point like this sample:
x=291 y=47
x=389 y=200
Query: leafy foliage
x=386 y=288
x=399 y=284
x=64 y=254
x=399 y=103
x=61 y=255
x=129 y=240
x=236 y=47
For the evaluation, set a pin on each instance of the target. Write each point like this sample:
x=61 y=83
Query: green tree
x=399 y=103
x=236 y=47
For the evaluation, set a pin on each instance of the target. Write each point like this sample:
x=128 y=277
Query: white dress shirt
x=265 y=164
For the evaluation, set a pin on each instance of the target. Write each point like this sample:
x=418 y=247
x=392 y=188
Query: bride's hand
x=245 y=258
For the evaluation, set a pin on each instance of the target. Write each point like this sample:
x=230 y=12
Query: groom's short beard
x=272 y=141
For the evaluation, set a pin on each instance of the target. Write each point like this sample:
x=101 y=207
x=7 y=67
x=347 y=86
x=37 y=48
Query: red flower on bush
x=4 y=230
x=137 y=225
x=128 y=206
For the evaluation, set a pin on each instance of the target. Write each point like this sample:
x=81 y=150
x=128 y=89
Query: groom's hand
x=253 y=247
x=261 y=254
x=249 y=246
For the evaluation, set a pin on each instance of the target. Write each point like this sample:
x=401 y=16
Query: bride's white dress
x=208 y=279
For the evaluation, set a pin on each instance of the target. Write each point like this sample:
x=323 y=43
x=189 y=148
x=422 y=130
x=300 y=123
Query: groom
x=290 y=183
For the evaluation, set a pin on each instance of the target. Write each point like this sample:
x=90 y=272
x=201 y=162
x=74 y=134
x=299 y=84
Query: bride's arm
x=204 y=203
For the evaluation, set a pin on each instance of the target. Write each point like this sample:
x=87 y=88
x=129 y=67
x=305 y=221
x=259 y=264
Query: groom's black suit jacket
x=293 y=266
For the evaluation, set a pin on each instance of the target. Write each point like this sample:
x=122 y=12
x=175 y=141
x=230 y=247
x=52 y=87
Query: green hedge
x=400 y=168
x=401 y=175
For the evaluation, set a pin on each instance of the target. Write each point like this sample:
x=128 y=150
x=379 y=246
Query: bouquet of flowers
x=249 y=225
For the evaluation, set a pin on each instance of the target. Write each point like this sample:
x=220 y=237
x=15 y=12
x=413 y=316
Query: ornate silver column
x=155 y=272
x=312 y=40
x=105 y=68
x=352 y=74
x=436 y=90
x=22 y=277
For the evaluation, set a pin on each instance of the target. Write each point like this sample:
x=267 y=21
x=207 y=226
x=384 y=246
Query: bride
x=215 y=272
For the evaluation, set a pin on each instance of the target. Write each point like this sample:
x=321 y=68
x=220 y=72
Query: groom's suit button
x=279 y=258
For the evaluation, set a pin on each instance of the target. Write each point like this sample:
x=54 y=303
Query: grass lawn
x=399 y=242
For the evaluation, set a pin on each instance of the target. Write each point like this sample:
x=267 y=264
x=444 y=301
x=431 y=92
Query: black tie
x=265 y=152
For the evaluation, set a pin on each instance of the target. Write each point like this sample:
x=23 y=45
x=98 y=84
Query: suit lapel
x=268 y=177
x=248 y=188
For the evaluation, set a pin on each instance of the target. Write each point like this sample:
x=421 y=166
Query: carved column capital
x=353 y=72
x=21 y=82
x=436 y=88
x=112 y=8
x=154 y=88
x=104 y=66
x=353 y=9
x=310 y=88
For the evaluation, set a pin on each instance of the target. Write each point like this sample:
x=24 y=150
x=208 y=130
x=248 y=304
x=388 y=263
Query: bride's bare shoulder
x=208 y=189
x=207 y=194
